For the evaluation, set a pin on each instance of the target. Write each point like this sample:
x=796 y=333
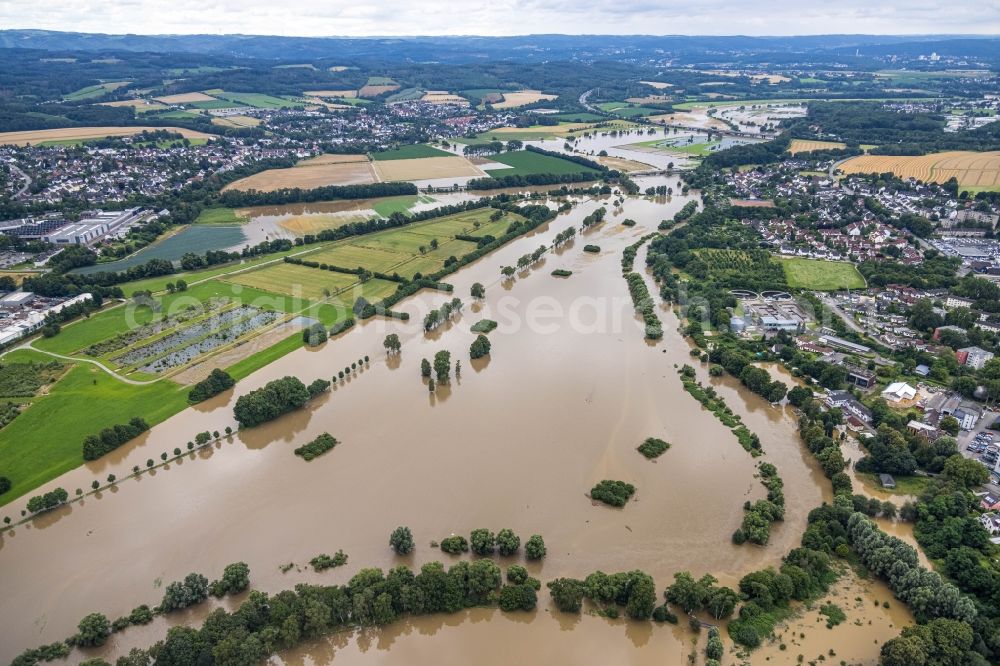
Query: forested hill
x=528 y=48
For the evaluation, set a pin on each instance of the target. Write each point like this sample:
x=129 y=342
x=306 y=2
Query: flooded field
x=570 y=390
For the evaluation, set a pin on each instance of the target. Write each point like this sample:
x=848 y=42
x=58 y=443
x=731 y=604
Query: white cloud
x=503 y=17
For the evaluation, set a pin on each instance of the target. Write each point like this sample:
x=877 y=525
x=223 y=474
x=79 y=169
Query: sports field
x=820 y=275
x=523 y=163
x=35 y=137
x=452 y=166
x=805 y=146
x=974 y=171
x=307 y=176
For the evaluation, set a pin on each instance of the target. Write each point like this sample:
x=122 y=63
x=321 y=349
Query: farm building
x=887 y=481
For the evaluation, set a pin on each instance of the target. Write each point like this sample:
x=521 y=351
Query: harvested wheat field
x=807 y=146
x=236 y=121
x=623 y=164
x=73 y=133
x=659 y=85
x=377 y=89
x=979 y=171
x=521 y=98
x=307 y=176
x=343 y=94
x=185 y=98
x=426 y=168
x=439 y=97
x=137 y=104
x=332 y=158
x=649 y=99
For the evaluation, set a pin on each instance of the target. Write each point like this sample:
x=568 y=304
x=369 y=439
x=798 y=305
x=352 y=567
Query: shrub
x=181 y=594
x=216 y=382
x=517 y=597
x=516 y=574
x=317 y=447
x=401 y=540
x=653 y=447
x=567 y=594
x=480 y=347
x=534 y=548
x=317 y=387
x=324 y=561
x=615 y=493
x=93 y=630
x=454 y=545
x=482 y=542
x=507 y=542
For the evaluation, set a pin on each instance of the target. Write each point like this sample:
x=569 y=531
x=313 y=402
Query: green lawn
x=46 y=439
x=95 y=91
x=821 y=275
x=401 y=204
x=410 y=152
x=628 y=110
x=524 y=163
x=214 y=104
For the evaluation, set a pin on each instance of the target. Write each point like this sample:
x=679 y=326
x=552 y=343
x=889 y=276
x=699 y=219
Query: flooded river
x=569 y=391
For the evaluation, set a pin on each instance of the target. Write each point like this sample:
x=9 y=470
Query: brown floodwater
x=569 y=391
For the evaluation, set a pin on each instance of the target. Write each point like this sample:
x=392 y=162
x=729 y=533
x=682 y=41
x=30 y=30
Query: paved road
x=27 y=181
x=853 y=325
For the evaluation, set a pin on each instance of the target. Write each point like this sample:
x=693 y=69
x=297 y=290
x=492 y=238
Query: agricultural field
x=974 y=171
x=410 y=152
x=258 y=100
x=95 y=91
x=214 y=104
x=236 y=121
x=185 y=98
x=820 y=275
x=308 y=175
x=512 y=100
x=195 y=238
x=140 y=105
x=659 y=85
x=581 y=117
x=805 y=146
x=344 y=94
x=405 y=95
x=627 y=110
x=442 y=97
x=531 y=133
x=294 y=280
x=35 y=137
x=451 y=166
x=377 y=85
x=220 y=215
x=623 y=164
x=523 y=163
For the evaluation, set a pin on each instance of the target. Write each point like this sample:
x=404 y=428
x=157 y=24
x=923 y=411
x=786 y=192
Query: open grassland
x=30 y=456
x=523 y=163
x=307 y=177
x=452 y=166
x=185 y=98
x=354 y=256
x=35 y=137
x=805 y=146
x=410 y=152
x=978 y=172
x=628 y=110
x=259 y=100
x=820 y=275
x=512 y=100
x=95 y=91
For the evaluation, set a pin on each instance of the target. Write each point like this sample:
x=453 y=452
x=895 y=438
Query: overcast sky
x=505 y=17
